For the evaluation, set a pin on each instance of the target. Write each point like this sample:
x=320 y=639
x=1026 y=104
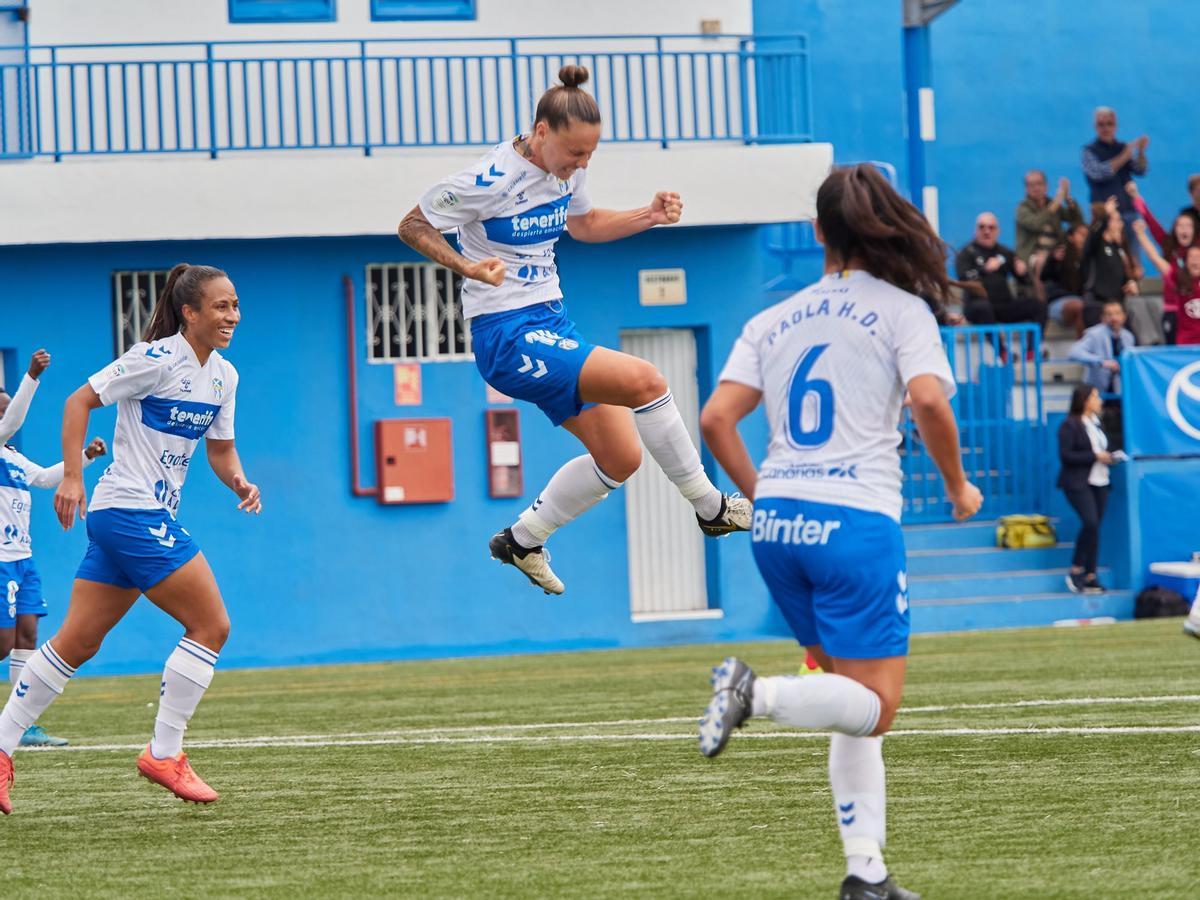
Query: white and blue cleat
x=730 y=706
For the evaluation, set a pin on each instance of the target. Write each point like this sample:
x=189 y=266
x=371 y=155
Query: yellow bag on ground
x=1025 y=532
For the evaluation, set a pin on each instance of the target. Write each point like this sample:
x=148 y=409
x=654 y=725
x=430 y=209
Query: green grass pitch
x=578 y=775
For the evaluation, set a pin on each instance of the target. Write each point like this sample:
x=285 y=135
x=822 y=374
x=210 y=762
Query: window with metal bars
x=134 y=295
x=414 y=313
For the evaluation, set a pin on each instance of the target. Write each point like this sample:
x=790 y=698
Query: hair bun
x=572 y=76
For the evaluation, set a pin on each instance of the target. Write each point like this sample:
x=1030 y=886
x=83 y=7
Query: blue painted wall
x=322 y=576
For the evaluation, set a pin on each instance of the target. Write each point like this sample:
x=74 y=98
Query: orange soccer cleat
x=6 y=780
x=176 y=776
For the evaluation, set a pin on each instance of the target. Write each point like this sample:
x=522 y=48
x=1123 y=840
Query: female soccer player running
x=833 y=363
x=509 y=210
x=22 y=603
x=171 y=390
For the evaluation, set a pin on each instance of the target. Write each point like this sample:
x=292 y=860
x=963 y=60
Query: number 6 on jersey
x=810 y=401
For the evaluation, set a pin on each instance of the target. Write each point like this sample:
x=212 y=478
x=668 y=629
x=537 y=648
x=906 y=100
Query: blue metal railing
x=998 y=371
x=216 y=97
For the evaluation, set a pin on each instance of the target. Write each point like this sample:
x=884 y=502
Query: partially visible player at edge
x=171 y=390
x=832 y=364
x=509 y=210
x=23 y=604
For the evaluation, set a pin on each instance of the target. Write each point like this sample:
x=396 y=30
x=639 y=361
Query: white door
x=667 y=577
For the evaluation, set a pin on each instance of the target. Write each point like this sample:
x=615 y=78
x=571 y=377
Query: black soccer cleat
x=534 y=562
x=854 y=888
x=730 y=706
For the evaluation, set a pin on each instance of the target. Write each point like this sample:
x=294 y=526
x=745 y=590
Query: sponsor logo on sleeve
x=446 y=201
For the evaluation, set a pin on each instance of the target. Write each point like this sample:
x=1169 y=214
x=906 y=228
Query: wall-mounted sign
x=406 y=380
x=662 y=287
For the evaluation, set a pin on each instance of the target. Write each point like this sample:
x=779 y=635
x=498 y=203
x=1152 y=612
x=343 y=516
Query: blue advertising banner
x=1161 y=401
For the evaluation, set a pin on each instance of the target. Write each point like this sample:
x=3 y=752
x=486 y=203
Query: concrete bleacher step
x=959 y=580
x=985 y=560
x=970 y=613
x=1010 y=583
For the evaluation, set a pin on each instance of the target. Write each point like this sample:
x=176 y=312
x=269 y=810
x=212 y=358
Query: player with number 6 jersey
x=831 y=366
x=171 y=390
x=509 y=209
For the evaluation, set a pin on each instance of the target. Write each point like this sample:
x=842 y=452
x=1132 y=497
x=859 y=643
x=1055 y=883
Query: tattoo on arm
x=416 y=231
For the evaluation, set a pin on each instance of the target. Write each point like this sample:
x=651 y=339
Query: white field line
x=339 y=741
x=500 y=733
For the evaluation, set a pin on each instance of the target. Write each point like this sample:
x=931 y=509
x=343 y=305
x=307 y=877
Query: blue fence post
x=662 y=92
x=362 y=57
x=212 y=101
x=516 y=90
x=54 y=100
x=744 y=89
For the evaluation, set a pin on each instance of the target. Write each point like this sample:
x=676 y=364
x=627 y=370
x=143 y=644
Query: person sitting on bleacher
x=995 y=279
x=1099 y=350
x=1183 y=284
x=1174 y=248
x=1113 y=272
x=1041 y=219
x=1059 y=279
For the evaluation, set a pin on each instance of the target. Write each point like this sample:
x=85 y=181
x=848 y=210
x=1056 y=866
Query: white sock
x=44 y=677
x=856 y=775
x=16 y=664
x=821 y=702
x=667 y=439
x=188 y=673
x=573 y=490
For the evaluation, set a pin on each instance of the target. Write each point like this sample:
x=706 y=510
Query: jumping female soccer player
x=23 y=603
x=509 y=210
x=171 y=390
x=833 y=363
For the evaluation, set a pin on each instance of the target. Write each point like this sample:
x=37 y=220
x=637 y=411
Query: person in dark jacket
x=1083 y=452
x=1109 y=164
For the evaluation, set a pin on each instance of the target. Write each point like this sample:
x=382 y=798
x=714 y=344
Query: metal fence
x=998 y=370
x=217 y=97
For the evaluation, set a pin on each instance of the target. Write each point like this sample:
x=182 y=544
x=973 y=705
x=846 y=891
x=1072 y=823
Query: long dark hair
x=184 y=287
x=568 y=102
x=862 y=218
x=1079 y=399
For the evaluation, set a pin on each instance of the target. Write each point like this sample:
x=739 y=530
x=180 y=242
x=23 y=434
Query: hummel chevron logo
x=162 y=351
x=845 y=808
x=541 y=367
x=493 y=173
x=22 y=689
x=160 y=533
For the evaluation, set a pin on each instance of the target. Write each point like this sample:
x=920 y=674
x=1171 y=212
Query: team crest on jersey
x=446 y=201
x=563 y=186
x=218 y=387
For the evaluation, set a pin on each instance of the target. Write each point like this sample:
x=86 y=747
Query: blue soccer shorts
x=838 y=575
x=134 y=547
x=535 y=354
x=22 y=591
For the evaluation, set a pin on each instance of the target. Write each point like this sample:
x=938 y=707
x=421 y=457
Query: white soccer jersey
x=166 y=402
x=506 y=206
x=832 y=363
x=17 y=475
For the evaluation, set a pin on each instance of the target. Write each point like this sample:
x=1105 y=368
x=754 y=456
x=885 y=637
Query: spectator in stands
x=1182 y=283
x=1174 y=248
x=1059 y=280
x=995 y=279
x=1100 y=349
x=1194 y=209
x=1112 y=272
x=1040 y=220
x=1109 y=164
x=1083 y=452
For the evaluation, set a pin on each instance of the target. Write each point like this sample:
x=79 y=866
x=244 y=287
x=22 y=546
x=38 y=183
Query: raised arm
x=939 y=432
x=599 y=225
x=729 y=404
x=14 y=416
x=223 y=457
x=1139 y=228
x=52 y=476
